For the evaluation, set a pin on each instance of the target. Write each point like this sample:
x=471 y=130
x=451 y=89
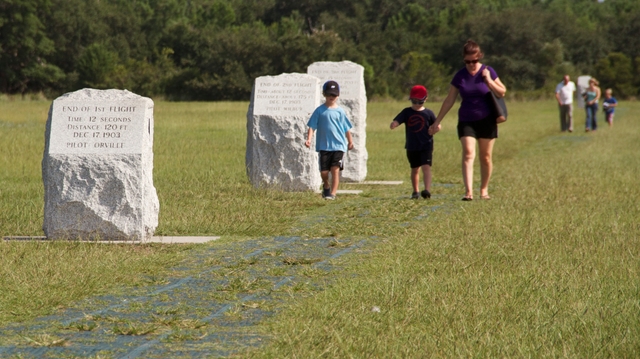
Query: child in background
x=609 y=106
x=333 y=138
x=419 y=143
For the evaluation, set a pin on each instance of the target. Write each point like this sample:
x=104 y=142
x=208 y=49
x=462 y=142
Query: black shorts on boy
x=330 y=159
x=420 y=158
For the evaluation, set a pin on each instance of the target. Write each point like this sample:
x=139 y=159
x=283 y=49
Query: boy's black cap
x=331 y=88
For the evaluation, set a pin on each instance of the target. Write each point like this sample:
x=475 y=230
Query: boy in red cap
x=419 y=143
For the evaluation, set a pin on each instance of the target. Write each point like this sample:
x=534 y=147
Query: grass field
x=548 y=268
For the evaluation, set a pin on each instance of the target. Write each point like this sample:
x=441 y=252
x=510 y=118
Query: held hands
x=433 y=129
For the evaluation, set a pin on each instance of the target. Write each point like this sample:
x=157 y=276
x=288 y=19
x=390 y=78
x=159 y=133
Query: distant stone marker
x=276 y=131
x=353 y=99
x=97 y=167
x=582 y=84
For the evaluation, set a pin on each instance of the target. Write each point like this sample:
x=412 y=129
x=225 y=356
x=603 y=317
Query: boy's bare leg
x=486 y=164
x=335 y=179
x=426 y=177
x=325 y=179
x=468 y=156
x=415 y=179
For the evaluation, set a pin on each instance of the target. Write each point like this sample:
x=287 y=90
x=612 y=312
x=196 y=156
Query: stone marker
x=582 y=84
x=353 y=99
x=276 y=131
x=97 y=167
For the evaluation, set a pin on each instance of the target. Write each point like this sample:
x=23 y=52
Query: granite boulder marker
x=277 y=119
x=353 y=99
x=97 y=167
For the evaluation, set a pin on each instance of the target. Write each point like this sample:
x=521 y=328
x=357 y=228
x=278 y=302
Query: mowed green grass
x=548 y=268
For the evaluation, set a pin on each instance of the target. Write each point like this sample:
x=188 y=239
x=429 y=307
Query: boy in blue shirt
x=333 y=138
x=419 y=143
x=609 y=106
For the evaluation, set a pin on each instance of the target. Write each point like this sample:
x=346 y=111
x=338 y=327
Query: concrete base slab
x=349 y=191
x=159 y=239
x=381 y=182
x=174 y=240
x=24 y=238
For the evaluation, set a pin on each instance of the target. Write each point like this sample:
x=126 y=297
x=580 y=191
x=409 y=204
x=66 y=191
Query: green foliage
x=218 y=14
x=214 y=49
x=616 y=72
x=95 y=65
x=24 y=45
x=143 y=77
x=419 y=68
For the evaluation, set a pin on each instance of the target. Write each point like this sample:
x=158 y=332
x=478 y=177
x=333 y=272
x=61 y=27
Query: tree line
x=214 y=49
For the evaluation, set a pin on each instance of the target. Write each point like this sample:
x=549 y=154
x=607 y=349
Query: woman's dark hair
x=472 y=48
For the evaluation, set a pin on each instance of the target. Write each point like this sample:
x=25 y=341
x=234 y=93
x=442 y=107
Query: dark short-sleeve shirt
x=607 y=102
x=474 y=92
x=417 y=128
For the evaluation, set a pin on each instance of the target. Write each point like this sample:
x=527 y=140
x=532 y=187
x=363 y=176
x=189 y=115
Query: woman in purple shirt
x=476 y=118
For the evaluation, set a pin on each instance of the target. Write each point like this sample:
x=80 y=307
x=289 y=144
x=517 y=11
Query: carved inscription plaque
x=285 y=96
x=347 y=74
x=97 y=127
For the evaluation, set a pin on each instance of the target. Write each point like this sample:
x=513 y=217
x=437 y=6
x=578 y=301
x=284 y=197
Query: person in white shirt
x=564 y=95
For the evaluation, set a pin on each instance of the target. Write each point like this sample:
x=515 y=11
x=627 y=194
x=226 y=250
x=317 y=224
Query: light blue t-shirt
x=331 y=126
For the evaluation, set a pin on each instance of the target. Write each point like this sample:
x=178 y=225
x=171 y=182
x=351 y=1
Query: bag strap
x=482 y=68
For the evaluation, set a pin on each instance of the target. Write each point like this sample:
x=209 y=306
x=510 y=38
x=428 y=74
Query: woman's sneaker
x=415 y=195
x=425 y=194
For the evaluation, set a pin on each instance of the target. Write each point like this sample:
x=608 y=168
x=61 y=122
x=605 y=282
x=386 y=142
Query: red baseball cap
x=418 y=92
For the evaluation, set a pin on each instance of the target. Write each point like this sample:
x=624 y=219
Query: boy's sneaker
x=415 y=195
x=330 y=197
x=425 y=194
x=326 y=192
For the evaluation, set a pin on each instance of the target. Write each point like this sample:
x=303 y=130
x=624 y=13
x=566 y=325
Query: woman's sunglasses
x=469 y=62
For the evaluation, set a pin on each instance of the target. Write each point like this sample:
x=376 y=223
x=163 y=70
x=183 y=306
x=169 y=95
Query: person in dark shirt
x=419 y=143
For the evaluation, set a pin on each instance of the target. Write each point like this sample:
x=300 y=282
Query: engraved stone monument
x=97 y=167
x=353 y=99
x=276 y=131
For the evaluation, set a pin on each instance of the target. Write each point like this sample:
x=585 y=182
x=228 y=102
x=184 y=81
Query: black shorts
x=330 y=159
x=420 y=158
x=485 y=128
